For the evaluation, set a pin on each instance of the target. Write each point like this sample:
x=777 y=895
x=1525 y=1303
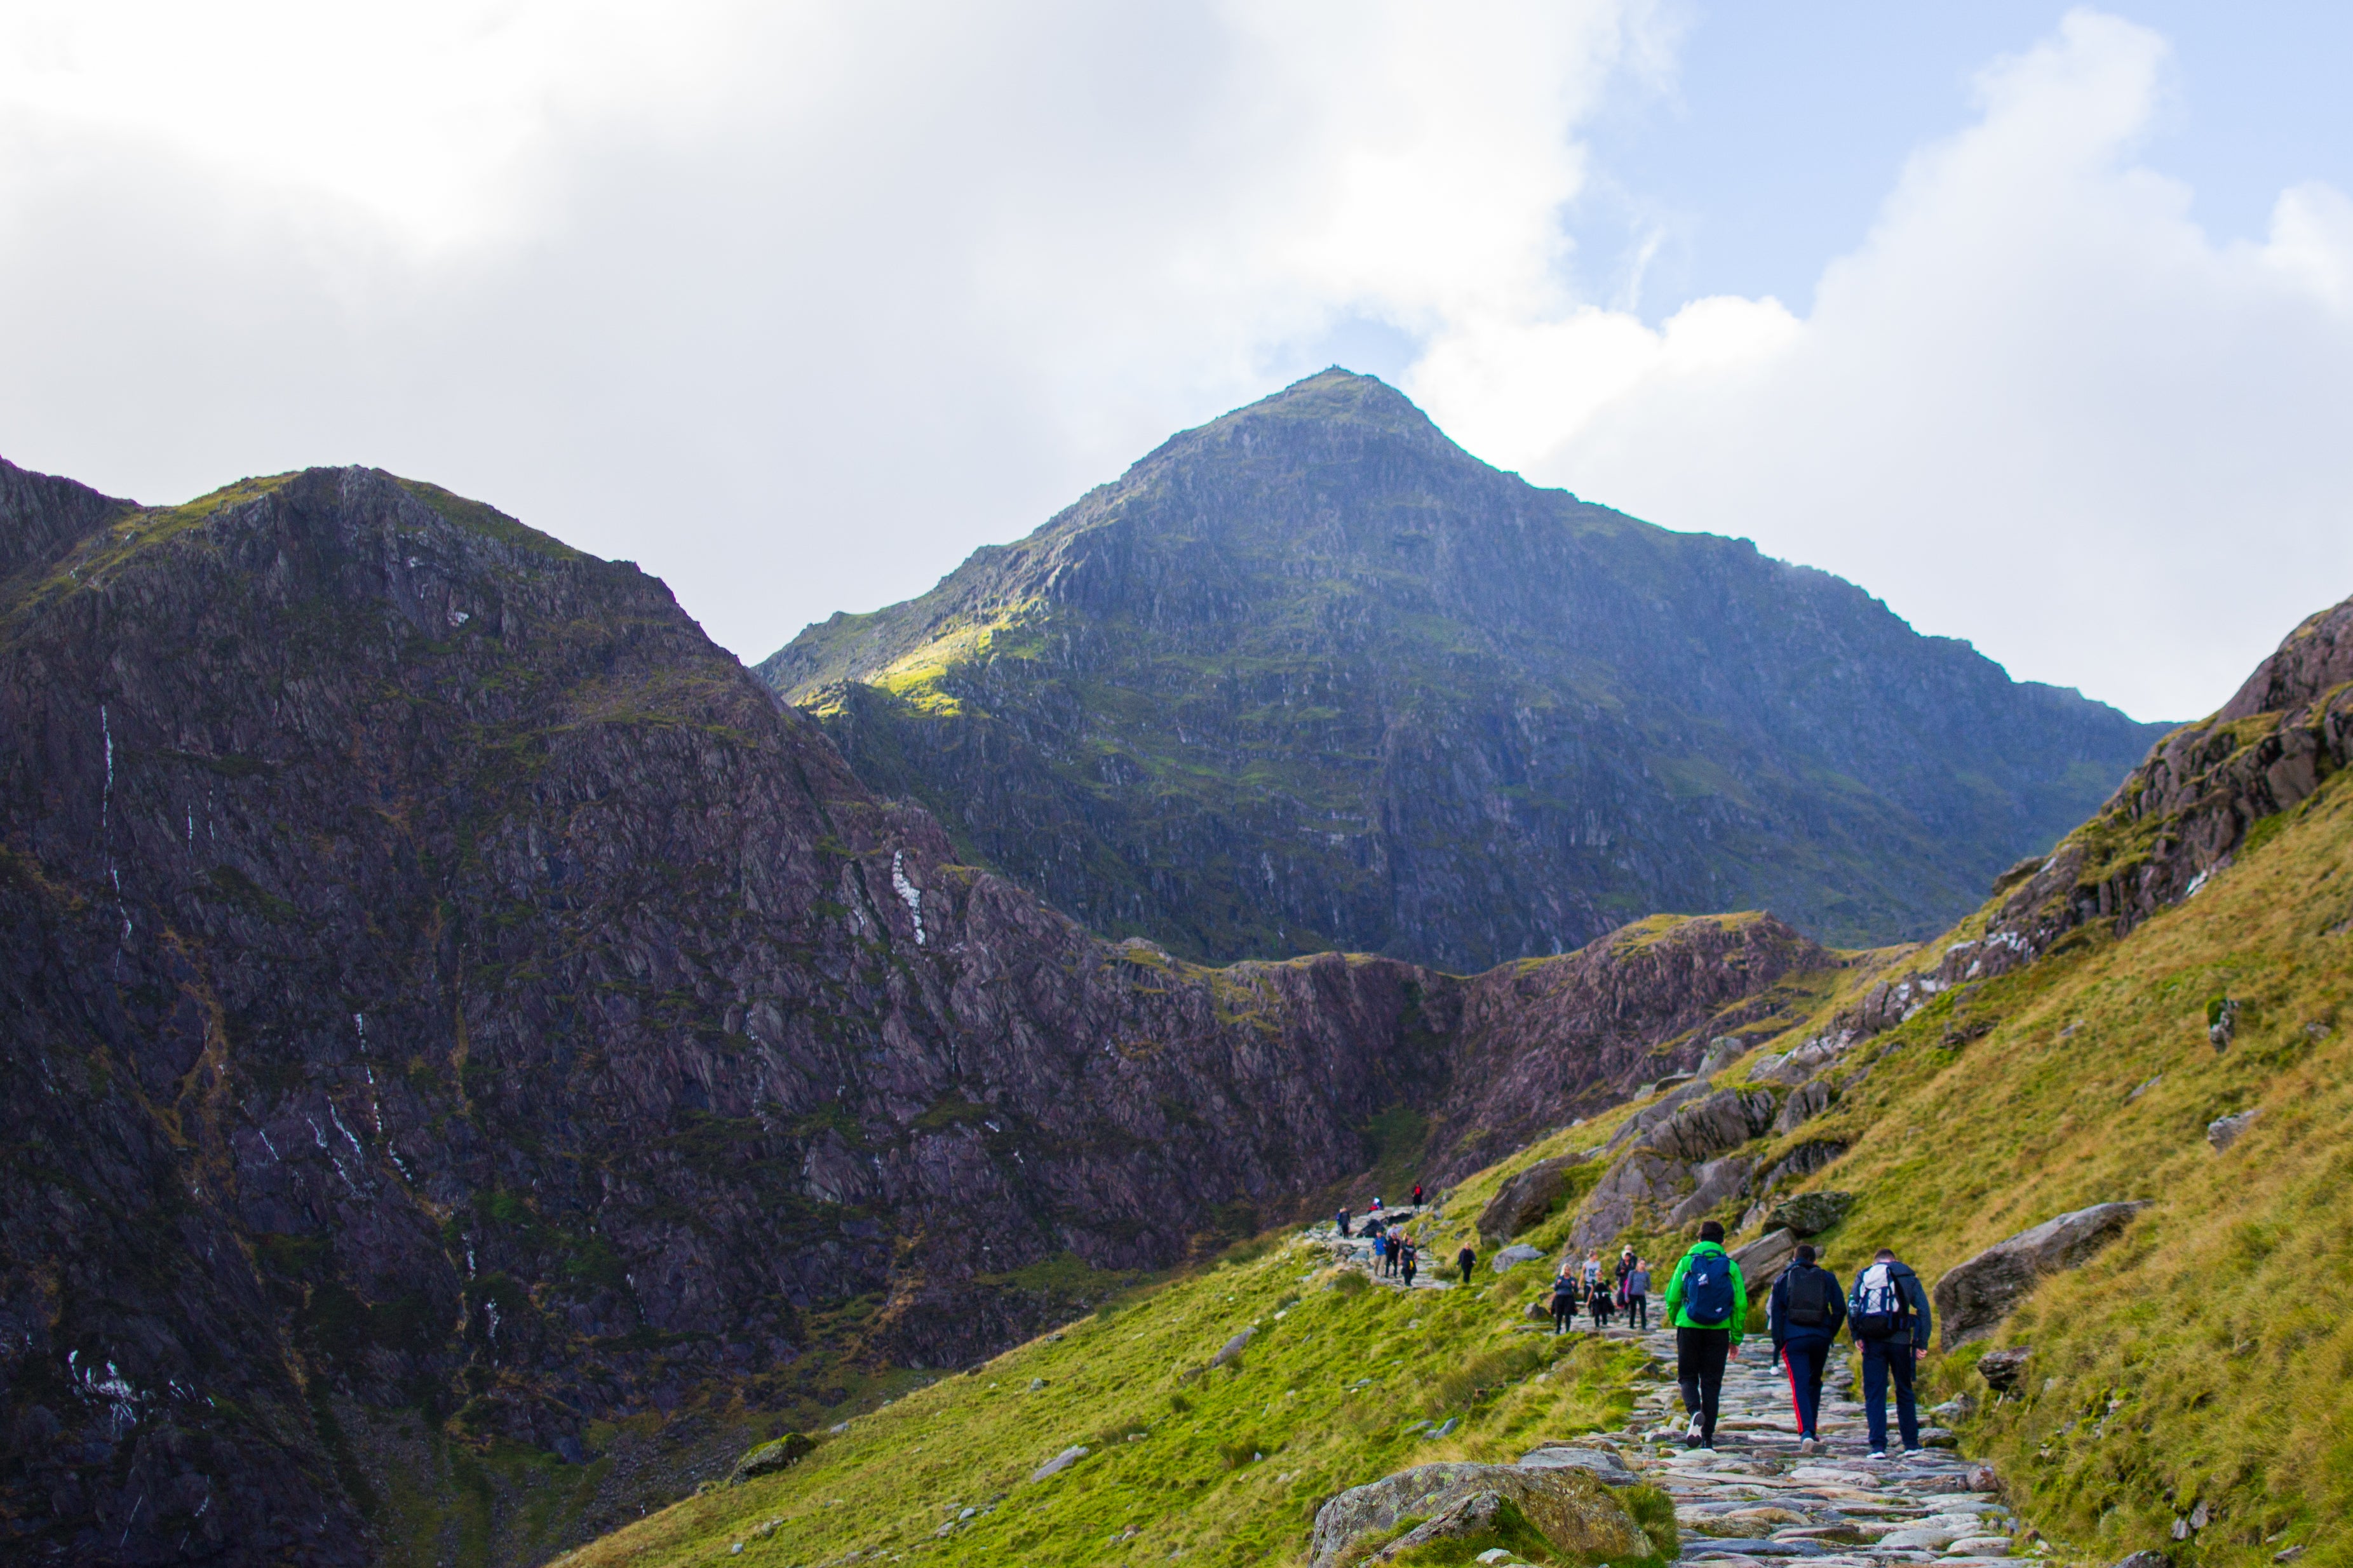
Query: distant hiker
x=1706 y=1301
x=1804 y=1316
x=1383 y=1248
x=1344 y=1224
x=1592 y=1270
x=1888 y=1314
x=1564 y=1300
x=1625 y=1267
x=1638 y=1296
x=1376 y=1203
x=1465 y=1259
x=1596 y=1301
x=1410 y=1261
x=1417 y=1195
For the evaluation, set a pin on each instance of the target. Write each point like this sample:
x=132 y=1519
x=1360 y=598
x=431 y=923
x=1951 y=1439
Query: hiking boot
x=1808 y=1445
x=1880 y=1454
x=1697 y=1424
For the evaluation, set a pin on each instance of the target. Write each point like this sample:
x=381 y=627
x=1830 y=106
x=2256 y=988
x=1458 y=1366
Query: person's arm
x=1739 y=1304
x=1777 y=1310
x=1838 y=1306
x=1674 y=1296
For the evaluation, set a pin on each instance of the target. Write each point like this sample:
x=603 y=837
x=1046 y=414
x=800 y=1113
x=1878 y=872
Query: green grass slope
x=1341 y=1385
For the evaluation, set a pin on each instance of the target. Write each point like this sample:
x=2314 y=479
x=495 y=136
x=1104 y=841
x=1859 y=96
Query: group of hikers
x=1887 y=1314
x=1626 y=1289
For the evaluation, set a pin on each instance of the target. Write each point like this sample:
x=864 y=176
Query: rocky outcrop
x=1723 y=1121
x=1574 y=1512
x=1765 y=1259
x=1713 y=1184
x=1311 y=676
x=1809 y=1215
x=1974 y=1295
x=2225 y=1131
x=1642 y=1184
x=1526 y=1197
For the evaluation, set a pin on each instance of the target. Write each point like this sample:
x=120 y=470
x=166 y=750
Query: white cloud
x=2037 y=407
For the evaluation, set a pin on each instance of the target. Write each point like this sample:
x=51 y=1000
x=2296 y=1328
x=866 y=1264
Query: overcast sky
x=2037 y=323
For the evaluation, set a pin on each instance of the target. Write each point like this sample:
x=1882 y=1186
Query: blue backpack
x=1707 y=1288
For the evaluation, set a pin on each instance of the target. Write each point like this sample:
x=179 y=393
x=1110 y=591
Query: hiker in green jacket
x=1707 y=1303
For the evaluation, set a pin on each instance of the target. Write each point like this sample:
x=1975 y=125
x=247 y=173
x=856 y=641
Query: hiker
x=1564 y=1300
x=1417 y=1195
x=1625 y=1267
x=1376 y=1203
x=1596 y=1301
x=1465 y=1259
x=1386 y=1250
x=1592 y=1270
x=1804 y=1316
x=1706 y=1300
x=1344 y=1225
x=1888 y=1315
x=1638 y=1296
x=1409 y=1262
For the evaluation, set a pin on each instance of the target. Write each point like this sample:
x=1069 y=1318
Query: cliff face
x=1311 y=676
x=453 y=1008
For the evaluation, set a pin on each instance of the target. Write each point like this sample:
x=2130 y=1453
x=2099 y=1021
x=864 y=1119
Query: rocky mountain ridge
x=468 y=1029
x=1311 y=676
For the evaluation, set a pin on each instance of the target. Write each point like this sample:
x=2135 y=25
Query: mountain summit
x=1312 y=675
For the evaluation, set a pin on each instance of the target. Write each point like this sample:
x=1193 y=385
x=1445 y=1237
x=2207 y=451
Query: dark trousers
x=1637 y=1312
x=1564 y=1314
x=1881 y=1360
x=1805 y=1361
x=1466 y=1271
x=1408 y=1274
x=1699 y=1367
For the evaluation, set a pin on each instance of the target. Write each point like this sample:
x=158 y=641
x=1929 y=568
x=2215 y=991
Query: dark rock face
x=1974 y=1295
x=1526 y=1198
x=1810 y=1214
x=1311 y=676
x=445 y=991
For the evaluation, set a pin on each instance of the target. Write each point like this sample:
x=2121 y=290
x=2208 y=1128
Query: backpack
x=1707 y=1288
x=1810 y=1292
x=1880 y=1307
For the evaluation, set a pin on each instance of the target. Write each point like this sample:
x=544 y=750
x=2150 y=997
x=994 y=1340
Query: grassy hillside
x=1340 y=1385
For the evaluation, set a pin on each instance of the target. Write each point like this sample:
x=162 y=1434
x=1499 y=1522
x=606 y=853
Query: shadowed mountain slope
x=1311 y=676
x=477 y=1056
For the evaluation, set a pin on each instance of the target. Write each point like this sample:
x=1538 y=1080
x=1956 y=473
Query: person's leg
x=1822 y=1363
x=1875 y=1393
x=1687 y=1366
x=1805 y=1361
x=1641 y=1305
x=1719 y=1347
x=1907 y=1418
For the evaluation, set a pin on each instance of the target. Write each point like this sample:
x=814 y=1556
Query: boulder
x=1568 y=1506
x=1973 y=1296
x=1059 y=1462
x=1797 y=1066
x=1762 y=1260
x=2002 y=1369
x=1514 y=1255
x=2224 y=1130
x=1600 y=1463
x=1231 y=1351
x=769 y=1457
x=1651 y=1116
x=1810 y=1214
x=1802 y=1162
x=1722 y=1052
x=2144 y=1559
x=1705 y=1128
x=1805 y=1102
x=1719 y=1182
x=1526 y=1198
x=1642 y=1180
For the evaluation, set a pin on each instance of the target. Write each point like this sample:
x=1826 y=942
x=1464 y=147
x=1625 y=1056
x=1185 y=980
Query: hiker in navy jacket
x=1806 y=1313
x=1887 y=1312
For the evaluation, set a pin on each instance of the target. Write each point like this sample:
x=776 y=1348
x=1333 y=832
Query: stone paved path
x=1755 y=1500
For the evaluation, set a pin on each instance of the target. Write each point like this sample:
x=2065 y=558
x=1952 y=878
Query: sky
x=2035 y=322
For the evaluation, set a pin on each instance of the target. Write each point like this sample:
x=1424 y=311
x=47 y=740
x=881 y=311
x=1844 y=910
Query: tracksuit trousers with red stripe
x=1805 y=1361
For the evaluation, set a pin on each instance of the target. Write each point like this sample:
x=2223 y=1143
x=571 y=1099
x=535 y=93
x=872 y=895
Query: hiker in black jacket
x=1887 y=1312
x=1806 y=1313
x=1465 y=1259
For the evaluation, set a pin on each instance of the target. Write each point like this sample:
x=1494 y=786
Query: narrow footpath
x=1754 y=1500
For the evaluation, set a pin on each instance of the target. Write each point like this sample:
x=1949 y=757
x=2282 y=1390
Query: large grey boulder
x=1514 y=1255
x=1526 y=1198
x=1805 y=1102
x=2225 y=1131
x=1810 y=1214
x=1642 y=1180
x=1571 y=1509
x=1718 y=1183
x=769 y=1457
x=1973 y=1296
x=1601 y=1464
x=1706 y=1128
x=1059 y=1462
x=1763 y=1260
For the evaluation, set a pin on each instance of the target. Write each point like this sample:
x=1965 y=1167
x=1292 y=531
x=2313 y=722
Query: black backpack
x=1812 y=1291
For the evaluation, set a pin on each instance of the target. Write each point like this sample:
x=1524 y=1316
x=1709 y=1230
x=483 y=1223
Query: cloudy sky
x=2036 y=323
